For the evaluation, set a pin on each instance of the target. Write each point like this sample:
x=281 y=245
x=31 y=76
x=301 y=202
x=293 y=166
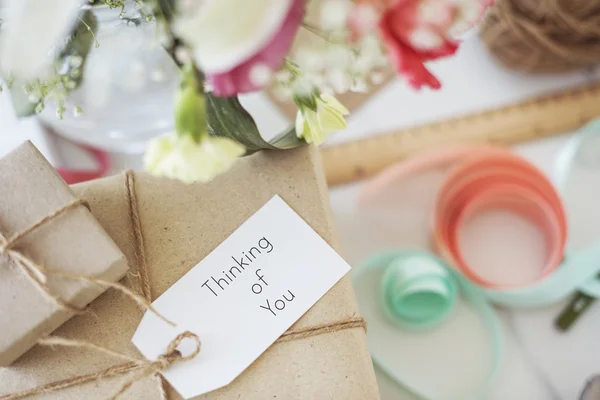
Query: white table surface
x=539 y=363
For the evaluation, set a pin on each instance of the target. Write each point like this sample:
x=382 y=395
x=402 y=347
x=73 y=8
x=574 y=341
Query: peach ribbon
x=497 y=179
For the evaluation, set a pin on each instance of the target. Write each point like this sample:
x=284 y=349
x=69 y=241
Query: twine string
x=141 y=277
x=32 y=270
x=139 y=368
x=144 y=368
x=39 y=274
x=137 y=237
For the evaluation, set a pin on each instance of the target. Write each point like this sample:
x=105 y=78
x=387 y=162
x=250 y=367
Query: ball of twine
x=544 y=35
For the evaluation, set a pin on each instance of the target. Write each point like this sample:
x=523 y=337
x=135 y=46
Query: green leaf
x=166 y=8
x=228 y=118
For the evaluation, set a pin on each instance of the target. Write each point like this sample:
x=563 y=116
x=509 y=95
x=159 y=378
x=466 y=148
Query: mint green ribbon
x=418 y=291
x=577 y=272
x=580 y=156
x=582 y=149
x=577 y=177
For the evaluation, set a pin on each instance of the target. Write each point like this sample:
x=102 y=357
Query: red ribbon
x=72 y=176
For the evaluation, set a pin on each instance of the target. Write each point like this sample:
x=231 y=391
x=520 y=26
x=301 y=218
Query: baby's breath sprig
x=55 y=89
x=291 y=81
x=65 y=73
x=338 y=64
x=139 y=7
x=90 y=30
x=115 y=4
x=335 y=62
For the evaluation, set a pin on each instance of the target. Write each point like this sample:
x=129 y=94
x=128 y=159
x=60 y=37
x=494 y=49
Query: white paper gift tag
x=241 y=298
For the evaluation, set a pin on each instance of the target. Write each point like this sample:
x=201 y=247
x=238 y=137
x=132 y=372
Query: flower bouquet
x=225 y=48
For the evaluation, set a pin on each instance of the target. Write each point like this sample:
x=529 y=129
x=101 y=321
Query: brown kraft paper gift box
x=181 y=224
x=73 y=242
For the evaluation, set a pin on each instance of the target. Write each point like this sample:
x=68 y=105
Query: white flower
x=301 y=86
x=371 y=54
x=334 y=14
x=314 y=125
x=310 y=59
x=225 y=33
x=31 y=29
x=339 y=80
x=182 y=158
x=340 y=67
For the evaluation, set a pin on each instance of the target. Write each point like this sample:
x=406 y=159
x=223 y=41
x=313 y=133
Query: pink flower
x=417 y=31
x=255 y=72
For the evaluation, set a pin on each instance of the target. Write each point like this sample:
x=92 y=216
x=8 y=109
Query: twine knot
x=33 y=270
x=173 y=355
x=5 y=244
x=163 y=362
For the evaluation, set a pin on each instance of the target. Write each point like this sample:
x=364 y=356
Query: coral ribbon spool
x=497 y=180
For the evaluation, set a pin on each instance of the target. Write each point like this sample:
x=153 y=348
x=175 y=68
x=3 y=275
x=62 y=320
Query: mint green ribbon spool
x=417 y=291
x=416 y=298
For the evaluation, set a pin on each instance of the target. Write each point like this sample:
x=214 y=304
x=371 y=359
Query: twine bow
x=143 y=368
x=140 y=367
x=38 y=274
x=34 y=271
x=165 y=361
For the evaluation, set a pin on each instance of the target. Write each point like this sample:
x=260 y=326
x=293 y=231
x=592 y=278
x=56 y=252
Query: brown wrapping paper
x=181 y=225
x=73 y=242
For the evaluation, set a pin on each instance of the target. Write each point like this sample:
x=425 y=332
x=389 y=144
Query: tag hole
x=176 y=353
x=187 y=348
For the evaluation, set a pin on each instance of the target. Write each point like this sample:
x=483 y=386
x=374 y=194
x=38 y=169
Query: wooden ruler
x=533 y=119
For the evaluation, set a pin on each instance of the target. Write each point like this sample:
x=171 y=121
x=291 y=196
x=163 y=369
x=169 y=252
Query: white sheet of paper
x=241 y=298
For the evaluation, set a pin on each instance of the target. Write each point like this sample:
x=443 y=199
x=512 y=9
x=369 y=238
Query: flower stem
x=91 y=31
x=318 y=32
x=292 y=67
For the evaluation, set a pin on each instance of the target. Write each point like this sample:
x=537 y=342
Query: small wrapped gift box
x=43 y=227
x=165 y=228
